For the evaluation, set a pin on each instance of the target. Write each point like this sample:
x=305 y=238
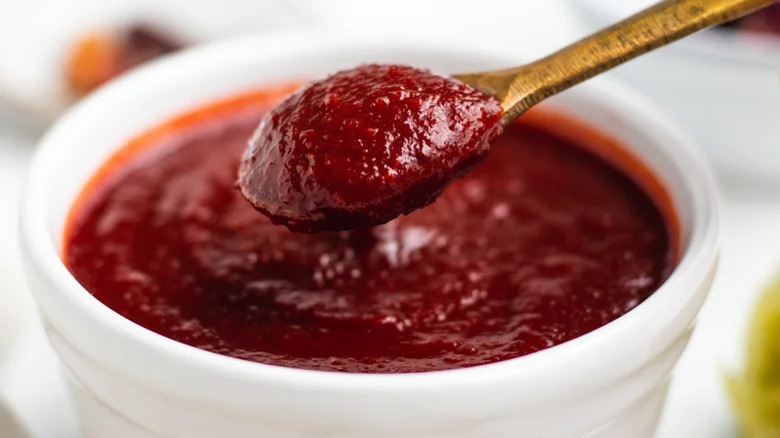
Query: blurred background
x=721 y=85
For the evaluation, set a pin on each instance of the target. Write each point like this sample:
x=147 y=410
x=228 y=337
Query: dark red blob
x=364 y=146
x=98 y=57
x=539 y=244
x=144 y=43
x=766 y=21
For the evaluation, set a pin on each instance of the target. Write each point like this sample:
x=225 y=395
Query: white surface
x=697 y=406
x=16 y=308
x=33 y=389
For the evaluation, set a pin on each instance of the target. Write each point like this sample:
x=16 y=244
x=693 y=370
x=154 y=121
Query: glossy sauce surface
x=364 y=146
x=539 y=244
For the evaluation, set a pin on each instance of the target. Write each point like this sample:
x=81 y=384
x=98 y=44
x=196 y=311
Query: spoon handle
x=520 y=88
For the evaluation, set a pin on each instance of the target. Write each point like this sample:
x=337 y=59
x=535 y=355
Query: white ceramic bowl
x=130 y=382
x=723 y=85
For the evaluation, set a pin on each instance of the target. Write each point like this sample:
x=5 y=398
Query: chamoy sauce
x=541 y=243
x=364 y=146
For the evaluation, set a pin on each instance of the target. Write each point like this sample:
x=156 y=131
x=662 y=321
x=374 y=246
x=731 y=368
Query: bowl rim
x=42 y=257
x=713 y=45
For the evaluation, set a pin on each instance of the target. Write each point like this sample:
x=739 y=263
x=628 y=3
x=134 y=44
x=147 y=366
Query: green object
x=755 y=393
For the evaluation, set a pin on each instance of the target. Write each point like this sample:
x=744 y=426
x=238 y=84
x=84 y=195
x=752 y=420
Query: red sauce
x=364 y=146
x=542 y=242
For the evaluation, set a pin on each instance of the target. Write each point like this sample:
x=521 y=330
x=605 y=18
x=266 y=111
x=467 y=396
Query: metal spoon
x=520 y=88
x=295 y=171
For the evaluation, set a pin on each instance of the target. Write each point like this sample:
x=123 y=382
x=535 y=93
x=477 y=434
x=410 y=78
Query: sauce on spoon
x=364 y=146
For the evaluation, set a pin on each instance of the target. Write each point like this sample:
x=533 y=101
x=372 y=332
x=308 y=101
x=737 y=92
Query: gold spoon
x=520 y=88
x=313 y=168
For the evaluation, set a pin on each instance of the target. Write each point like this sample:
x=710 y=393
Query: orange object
x=94 y=60
x=100 y=56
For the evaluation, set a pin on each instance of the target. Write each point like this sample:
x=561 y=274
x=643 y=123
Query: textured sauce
x=542 y=242
x=364 y=146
